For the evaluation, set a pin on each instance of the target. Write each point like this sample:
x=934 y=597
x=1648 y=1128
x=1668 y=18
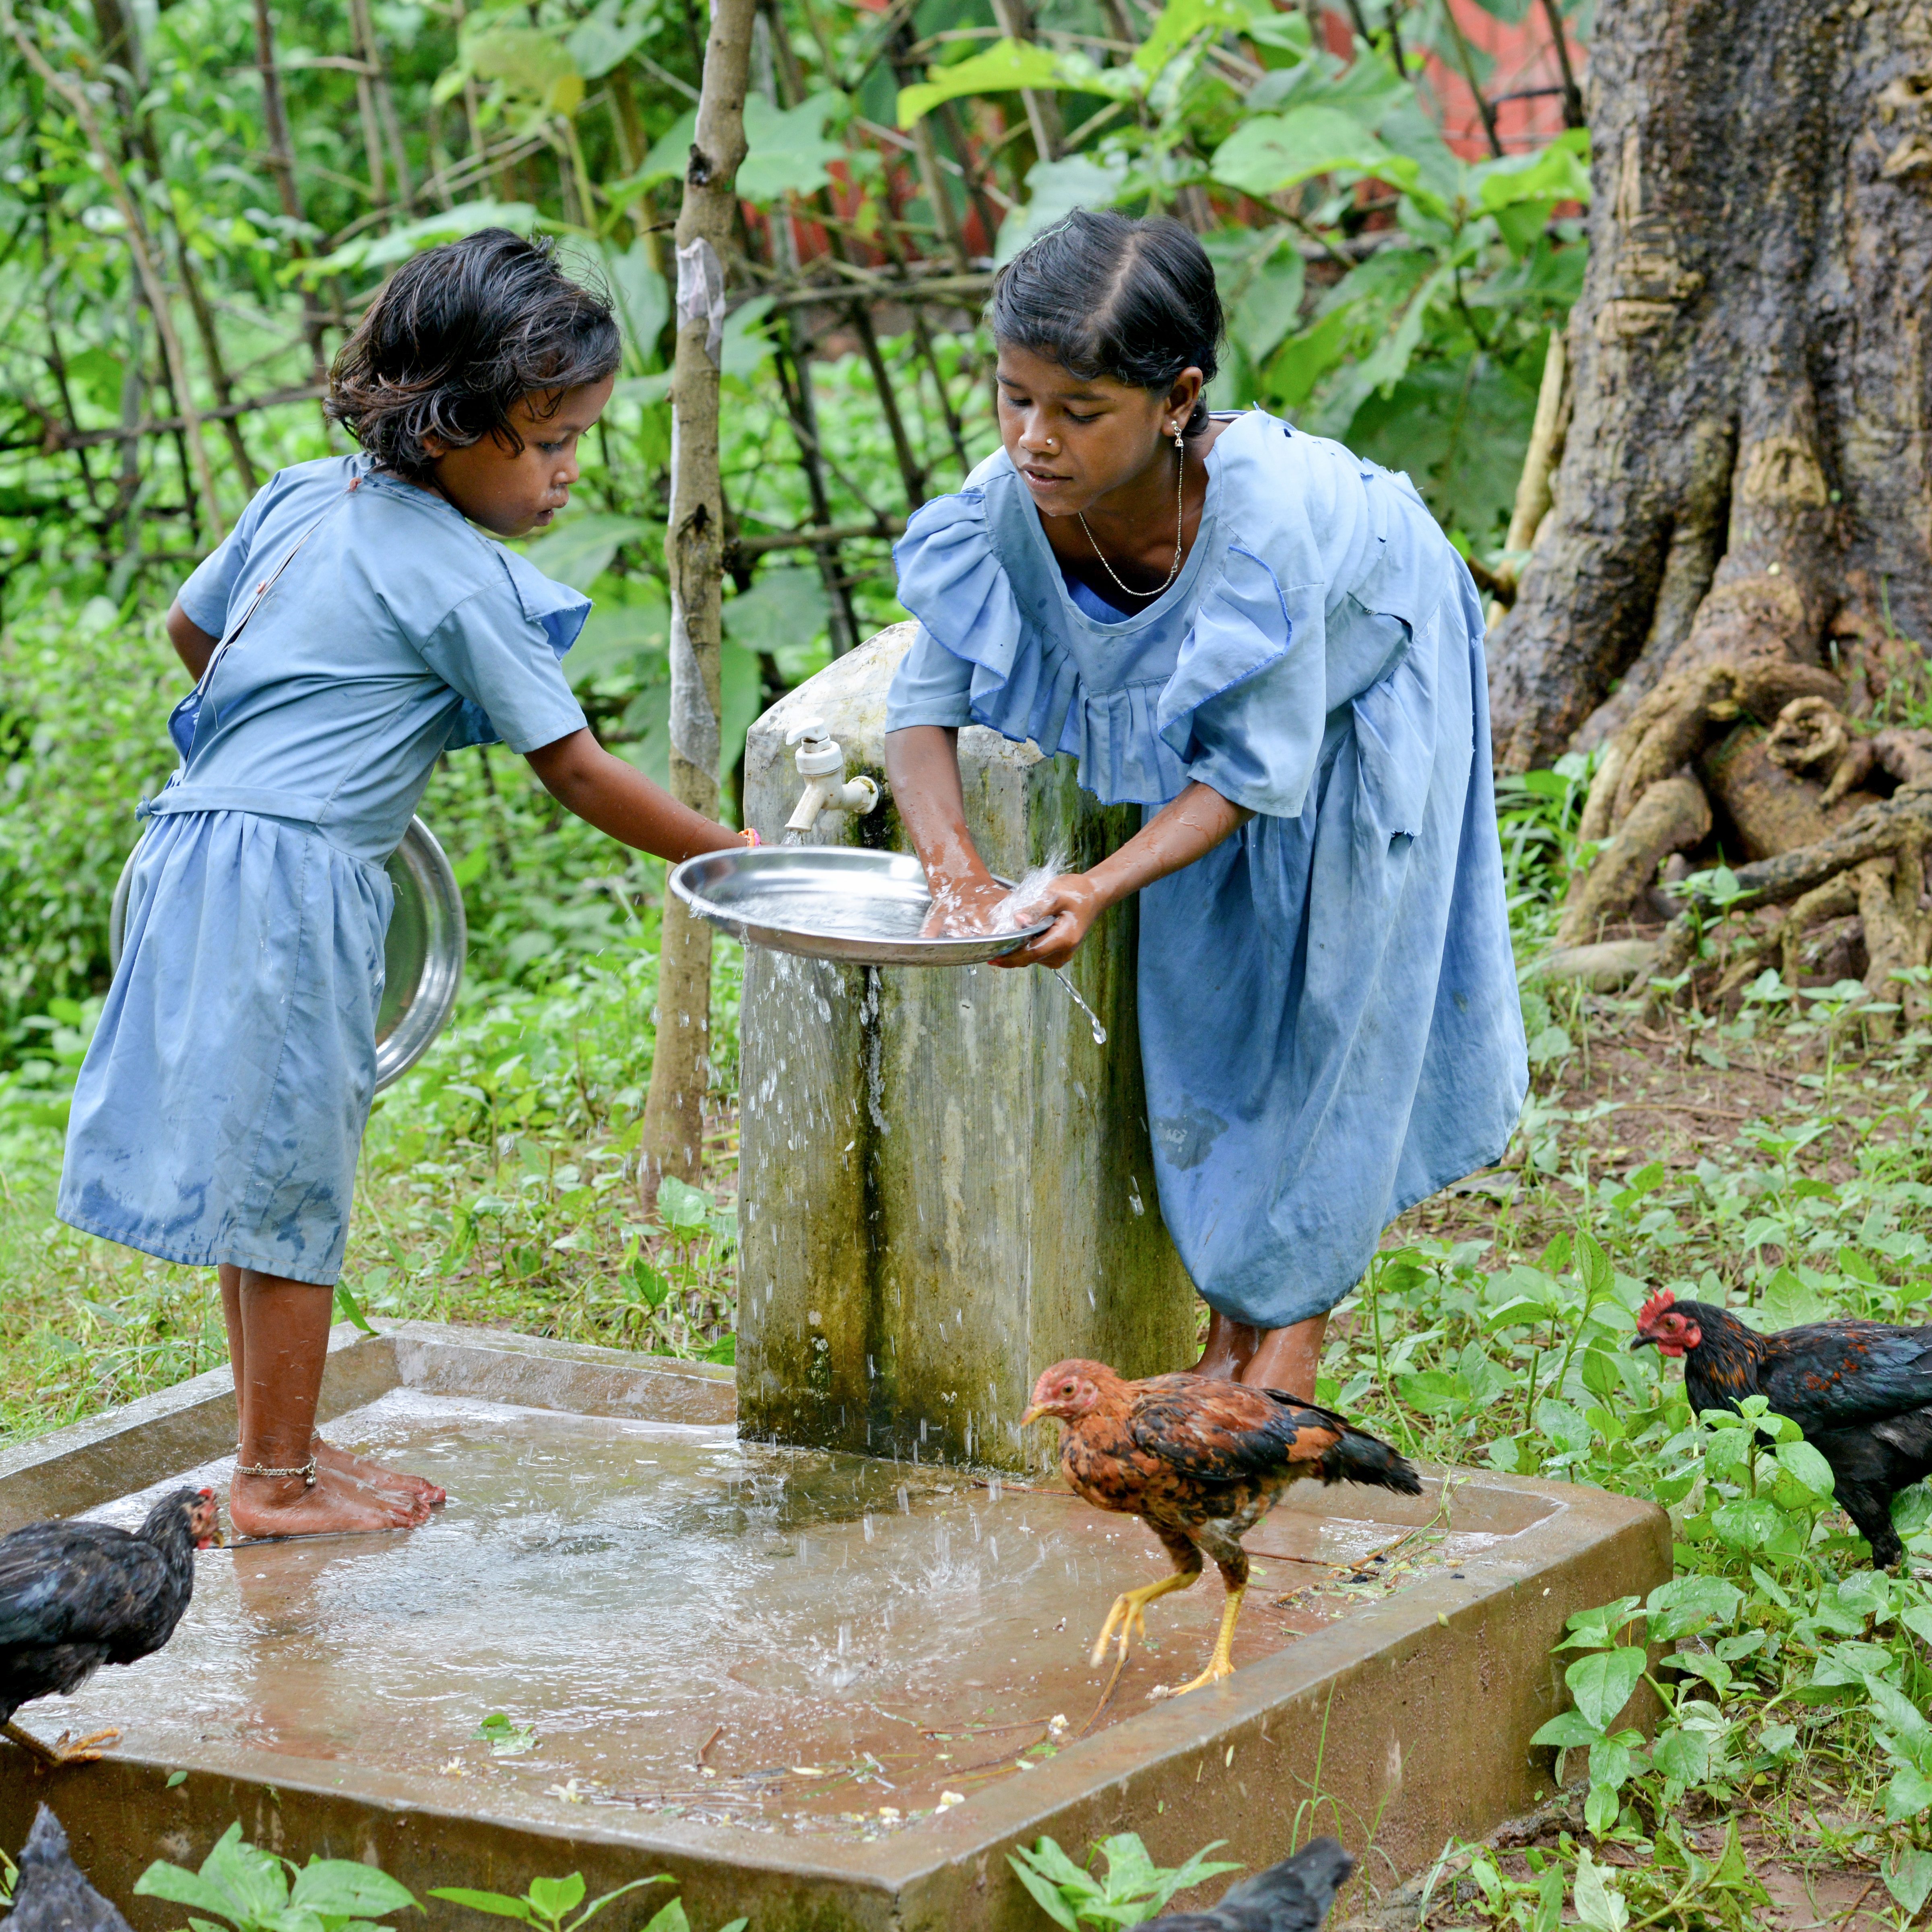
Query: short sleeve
x=931 y=686
x=506 y=668
x=206 y=596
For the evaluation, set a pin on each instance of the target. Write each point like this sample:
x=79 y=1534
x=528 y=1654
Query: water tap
x=822 y=766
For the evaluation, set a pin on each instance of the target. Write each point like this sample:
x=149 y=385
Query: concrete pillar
x=945 y=1184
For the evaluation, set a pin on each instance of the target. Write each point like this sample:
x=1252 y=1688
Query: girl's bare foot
x=282 y=1506
x=331 y=1460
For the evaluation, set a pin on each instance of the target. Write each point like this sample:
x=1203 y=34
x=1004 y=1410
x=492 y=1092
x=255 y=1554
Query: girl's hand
x=965 y=905
x=1073 y=902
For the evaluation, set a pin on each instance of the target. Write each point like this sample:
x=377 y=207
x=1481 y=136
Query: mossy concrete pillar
x=946 y=1183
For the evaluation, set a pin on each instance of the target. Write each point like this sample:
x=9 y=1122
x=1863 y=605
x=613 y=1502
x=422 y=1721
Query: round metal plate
x=423 y=953
x=830 y=902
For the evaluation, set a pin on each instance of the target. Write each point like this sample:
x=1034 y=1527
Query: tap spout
x=822 y=766
x=832 y=794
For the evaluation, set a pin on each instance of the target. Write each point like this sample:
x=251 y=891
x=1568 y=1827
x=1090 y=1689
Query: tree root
x=1672 y=816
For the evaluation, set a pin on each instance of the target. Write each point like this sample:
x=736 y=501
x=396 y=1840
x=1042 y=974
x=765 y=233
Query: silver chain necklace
x=1180 y=524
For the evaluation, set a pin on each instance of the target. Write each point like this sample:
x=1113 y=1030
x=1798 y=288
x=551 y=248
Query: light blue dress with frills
x=220 y=1110
x=1329 y=1022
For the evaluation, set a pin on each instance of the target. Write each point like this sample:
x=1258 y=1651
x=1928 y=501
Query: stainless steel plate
x=830 y=902
x=423 y=954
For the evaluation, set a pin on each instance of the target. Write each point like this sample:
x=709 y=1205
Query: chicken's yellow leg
x=1221 y=1664
x=1127 y=1609
x=79 y=1751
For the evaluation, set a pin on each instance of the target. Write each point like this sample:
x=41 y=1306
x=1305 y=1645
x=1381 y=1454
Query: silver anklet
x=307 y=1471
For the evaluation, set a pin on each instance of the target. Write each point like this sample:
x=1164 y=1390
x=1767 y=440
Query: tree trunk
x=1746 y=474
x=673 y=1134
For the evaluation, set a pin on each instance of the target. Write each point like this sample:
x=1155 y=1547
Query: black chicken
x=1861 y=1391
x=76 y=1595
x=51 y=1893
x=1293 y=1896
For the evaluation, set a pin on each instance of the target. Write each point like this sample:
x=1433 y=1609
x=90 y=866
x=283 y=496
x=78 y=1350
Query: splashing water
x=1014 y=911
x=1073 y=993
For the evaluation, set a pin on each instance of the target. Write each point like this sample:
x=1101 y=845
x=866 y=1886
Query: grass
x=1769 y=1151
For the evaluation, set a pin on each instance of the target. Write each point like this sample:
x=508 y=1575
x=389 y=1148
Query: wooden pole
x=694 y=535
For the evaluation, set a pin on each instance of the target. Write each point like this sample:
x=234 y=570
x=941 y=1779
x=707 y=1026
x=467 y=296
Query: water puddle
x=696 y=1627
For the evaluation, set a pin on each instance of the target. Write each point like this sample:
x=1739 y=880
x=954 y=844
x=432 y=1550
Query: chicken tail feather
x=1357 y=1456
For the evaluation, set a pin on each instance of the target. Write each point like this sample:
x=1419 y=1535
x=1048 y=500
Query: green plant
x=549 y=1902
x=250 y=1890
x=1132 y=1888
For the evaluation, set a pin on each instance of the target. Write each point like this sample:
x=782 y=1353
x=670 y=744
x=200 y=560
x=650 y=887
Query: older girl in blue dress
x=356 y=625
x=1266 y=643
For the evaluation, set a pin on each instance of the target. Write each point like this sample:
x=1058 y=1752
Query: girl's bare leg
x=1287 y=1358
x=284 y=1327
x=1228 y=1347
x=337 y=1467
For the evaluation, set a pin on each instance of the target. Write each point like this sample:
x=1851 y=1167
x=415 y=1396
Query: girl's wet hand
x=963 y=908
x=1073 y=902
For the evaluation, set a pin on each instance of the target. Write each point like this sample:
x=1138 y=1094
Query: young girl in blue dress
x=356 y=625
x=1268 y=644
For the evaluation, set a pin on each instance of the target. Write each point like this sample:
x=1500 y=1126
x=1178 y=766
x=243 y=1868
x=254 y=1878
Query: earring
x=1178 y=443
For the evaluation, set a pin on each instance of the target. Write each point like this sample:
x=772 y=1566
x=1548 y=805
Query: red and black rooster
x=76 y=1595
x=1861 y=1391
x=1200 y=1462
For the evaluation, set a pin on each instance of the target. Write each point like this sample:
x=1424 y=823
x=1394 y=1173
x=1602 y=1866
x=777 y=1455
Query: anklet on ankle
x=307 y=1471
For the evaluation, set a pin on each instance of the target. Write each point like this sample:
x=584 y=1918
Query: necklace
x=1180 y=524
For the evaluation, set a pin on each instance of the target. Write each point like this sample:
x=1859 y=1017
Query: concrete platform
x=760 y=1670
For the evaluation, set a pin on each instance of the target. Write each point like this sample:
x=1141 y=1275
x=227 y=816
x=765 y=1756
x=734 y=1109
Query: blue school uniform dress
x=220 y=1110
x=1327 y=1000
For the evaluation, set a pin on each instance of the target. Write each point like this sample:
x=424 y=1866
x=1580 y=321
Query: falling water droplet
x=905 y=1500
x=865 y=1523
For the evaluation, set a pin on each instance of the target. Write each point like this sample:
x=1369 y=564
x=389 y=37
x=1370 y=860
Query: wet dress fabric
x=220 y=1110
x=1329 y=1021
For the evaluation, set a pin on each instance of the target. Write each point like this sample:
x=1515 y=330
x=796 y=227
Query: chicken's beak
x=1643 y=1341
x=1033 y=1414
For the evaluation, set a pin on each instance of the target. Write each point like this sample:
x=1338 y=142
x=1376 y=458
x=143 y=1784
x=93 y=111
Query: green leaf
x=1568 y=1730
x=351 y=1310
x=667 y=1918
x=450 y=224
x=1908 y=1877
x=1599 y=1906
x=1433 y=1391
x=163 y=1880
x=553 y=1897
x=1007 y=67
x=1601 y=1685
x=643 y=300
x=1801 y=1460
x=494 y=1903
x=343 y=1887
x=684 y=1210
x=1274 y=151
x=1046 y=1892
x=1687 y=1604
x=1908 y=1794
x=786 y=152
x=1751 y=1523
x=577 y=552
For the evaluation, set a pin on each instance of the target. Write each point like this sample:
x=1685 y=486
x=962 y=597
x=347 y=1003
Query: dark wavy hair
x=458 y=335
x=1103 y=295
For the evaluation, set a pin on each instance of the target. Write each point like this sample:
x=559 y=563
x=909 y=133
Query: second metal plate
x=831 y=902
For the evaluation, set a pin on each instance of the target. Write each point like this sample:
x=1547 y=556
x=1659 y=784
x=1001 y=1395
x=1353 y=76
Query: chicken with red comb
x=1861 y=1391
x=1200 y=1462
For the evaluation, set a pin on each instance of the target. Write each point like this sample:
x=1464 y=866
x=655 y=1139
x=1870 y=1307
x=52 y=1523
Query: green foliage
x=1133 y=1888
x=250 y=1890
x=549 y=1902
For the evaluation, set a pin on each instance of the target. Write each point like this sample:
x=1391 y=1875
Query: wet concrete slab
x=832 y=1688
